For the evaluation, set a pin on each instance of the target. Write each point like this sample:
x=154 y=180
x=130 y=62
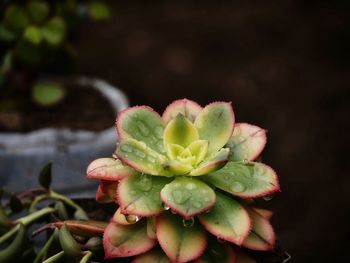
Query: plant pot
x=23 y=154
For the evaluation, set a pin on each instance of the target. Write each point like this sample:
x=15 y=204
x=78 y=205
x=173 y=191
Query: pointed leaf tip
x=45 y=176
x=187 y=108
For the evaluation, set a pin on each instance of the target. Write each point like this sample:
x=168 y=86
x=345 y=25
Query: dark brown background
x=285 y=67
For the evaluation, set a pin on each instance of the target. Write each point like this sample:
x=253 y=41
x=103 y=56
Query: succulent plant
x=185 y=183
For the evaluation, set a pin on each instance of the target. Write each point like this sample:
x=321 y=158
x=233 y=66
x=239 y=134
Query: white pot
x=22 y=155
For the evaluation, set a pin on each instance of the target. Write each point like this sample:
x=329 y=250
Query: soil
x=83 y=108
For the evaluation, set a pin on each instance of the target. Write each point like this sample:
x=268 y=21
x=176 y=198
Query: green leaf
x=85 y=228
x=246 y=180
x=45 y=175
x=227 y=220
x=213 y=163
x=54 y=31
x=188 y=196
x=33 y=35
x=262 y=237
x=126 y=241
x=98 y=10
x=47 y=93
x=215 y=124
x=217 y=252
x=11 y=253
x=143 y=124
x=180 y=131
x=142 y=158
x=38 y=11
x=180 y=243
x=187 y=108
x=108 y=169
x=154 y=255
x=68 y=243
x=247 y=142
x=140 y=194
x=15 y=18
x=6 y=35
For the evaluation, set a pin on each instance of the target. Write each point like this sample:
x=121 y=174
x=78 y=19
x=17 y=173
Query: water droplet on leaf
x=165 y=206
x=131 y=219
x=145 y=182
x=126 y=148
x=188 y=222
x=181 y=196
x=268 y=197
x=197 y=204
x=142 y=128
x=237 y=187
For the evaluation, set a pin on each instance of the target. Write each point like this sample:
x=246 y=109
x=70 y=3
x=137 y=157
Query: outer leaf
x=246 y=142
x=187 y=108
x=227 y=220
x=108 y=169
x=126 y=241
x=188 y=197
x=33 y=35
x=213 y=163
x=140 y=195
x=245 y=180
x=156 y=255
x=141 y=123
x=106 y=192
x=181 y=244
x=262 y=236
x=137 y=155
x=215 y=124
x=54 y=31
x=217 y=252
x=264 y=213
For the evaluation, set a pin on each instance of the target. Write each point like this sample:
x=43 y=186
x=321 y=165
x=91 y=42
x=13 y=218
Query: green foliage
x=38 y=35
x=47 y=93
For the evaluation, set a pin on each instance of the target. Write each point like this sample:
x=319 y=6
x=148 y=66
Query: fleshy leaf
x=187 y=108
x=227 y=220
x=246 y=142
x=262 y=237
x=151 y=227
x=213 y=163
x=109 y=169
x=101 y=197
x=119 y=218
x=215 y=124
x=109 y=188
x=180 y=243
x=187 y=196
x=173 y=150
x=84 y=228
x=140 y=195
x=175 y=167
x=199 y=149
x=246 y=180
x=137 y=155
x=180 y=131
x=142 y=123
x=264 y=213
x=155 y=255
x=217 y=252
x=126 y=241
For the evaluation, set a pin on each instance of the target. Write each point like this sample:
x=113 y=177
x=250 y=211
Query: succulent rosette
x=184 y=182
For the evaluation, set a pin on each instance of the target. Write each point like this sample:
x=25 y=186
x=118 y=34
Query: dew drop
x=245 y=161
x=145 y=182
x=206 y=199
x=180 y=196
x=227 y=176
x=126 y=148
x=131 y=219
x=142 y=128
x=165 y=206
x=158 y=131
x=139 y=154
x=151 y=159
x=268 y=197
x=191 y=186
x=188 y=222
x=237 y=187
x=197 y=204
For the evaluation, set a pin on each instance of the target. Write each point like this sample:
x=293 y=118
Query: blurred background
x=285 y=67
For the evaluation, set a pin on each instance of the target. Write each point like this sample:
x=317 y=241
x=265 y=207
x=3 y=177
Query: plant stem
x=26 y=220
x=42 y=253
x=86 y=257
x=64 y=199
x=55 y=257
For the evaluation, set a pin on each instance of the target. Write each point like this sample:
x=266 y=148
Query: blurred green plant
x=36 y=40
